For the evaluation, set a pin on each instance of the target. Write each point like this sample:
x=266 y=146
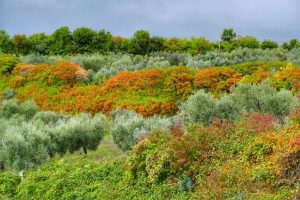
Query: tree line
x=86 y=40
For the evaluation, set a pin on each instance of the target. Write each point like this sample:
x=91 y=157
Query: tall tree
x=39 y=43
x=21 y=43
x=61 y=41
x=6 y=44
x=83 y=38
x=140 y=42
x=103 y=41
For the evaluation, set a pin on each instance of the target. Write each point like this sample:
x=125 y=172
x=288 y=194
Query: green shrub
x=8 y=184
x=268 y=44
x=7 y=63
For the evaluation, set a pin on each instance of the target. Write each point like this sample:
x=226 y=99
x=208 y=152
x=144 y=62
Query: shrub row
x=28 y=137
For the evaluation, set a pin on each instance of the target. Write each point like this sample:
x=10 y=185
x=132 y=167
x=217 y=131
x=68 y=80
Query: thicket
x=202 y=108
x=29 y=137
x=221 y=161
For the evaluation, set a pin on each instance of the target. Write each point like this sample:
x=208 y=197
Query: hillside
x=166 y=132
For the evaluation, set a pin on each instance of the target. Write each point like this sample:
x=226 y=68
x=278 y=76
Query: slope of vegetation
x=168 y=132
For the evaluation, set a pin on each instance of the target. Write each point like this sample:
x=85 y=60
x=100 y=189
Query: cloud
x=264 y=19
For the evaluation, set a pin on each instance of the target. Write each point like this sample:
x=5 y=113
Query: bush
x=8 y=184
x=245 y=98
x=128 y=128
x=7 y=63
x=200 y=107
x=263 y=98
x=268 y=44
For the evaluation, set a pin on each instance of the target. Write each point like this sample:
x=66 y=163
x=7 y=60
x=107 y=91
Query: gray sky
x=274 y=19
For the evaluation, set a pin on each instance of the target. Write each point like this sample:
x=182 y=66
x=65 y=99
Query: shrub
x=7 y=63
x=268 y=44
x=263 y=98
x=128 y=128
x=8 y=184
x=216 y=79
x=200 y=107
x=246 y=98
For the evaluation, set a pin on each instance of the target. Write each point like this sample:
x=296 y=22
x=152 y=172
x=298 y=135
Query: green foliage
x=156 y=44
x=263 y=98
x=140 y=42
x=8 y=184
x=103 y=42
x=7 y=63
x=198 y=46
x=61 y=41
x=228 y=35
x=21 y=43
x=39 y=43
x=292 y=44
x=247 y=42
x=84 y=39
x=6 y=45
x=268 y=44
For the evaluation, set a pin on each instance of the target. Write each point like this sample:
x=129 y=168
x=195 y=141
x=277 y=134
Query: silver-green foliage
x=245 y=98
x=28 y=137
x=129 y=127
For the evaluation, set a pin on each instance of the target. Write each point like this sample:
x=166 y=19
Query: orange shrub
x=179 y=82
x=138 y=80
x=289 y=76
x=216 y=79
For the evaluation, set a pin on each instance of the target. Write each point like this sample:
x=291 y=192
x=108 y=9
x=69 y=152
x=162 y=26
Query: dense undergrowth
x=228 y=132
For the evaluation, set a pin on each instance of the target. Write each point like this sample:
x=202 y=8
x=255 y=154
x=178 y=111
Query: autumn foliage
x=62 y=86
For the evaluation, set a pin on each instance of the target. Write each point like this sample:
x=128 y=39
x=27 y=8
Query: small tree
x=228 y=35
x=199 y=108
x=21 y=43
x=268 y=44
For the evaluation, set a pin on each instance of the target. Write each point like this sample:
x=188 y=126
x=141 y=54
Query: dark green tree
x=21 y=43
x=39 y=43
x=228 y=35
x=156 y=44
x=83 y=38
x=140 y=42
x=61 y=41
x=6 y=44
x=268 y=44
x=103 y=41
x=293 y=43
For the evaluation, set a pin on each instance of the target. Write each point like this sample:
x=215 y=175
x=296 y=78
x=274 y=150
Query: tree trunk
x=1 y=166
x=84 y=150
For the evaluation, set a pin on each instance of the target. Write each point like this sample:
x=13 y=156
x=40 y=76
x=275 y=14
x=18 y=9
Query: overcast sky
x=274 y=19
